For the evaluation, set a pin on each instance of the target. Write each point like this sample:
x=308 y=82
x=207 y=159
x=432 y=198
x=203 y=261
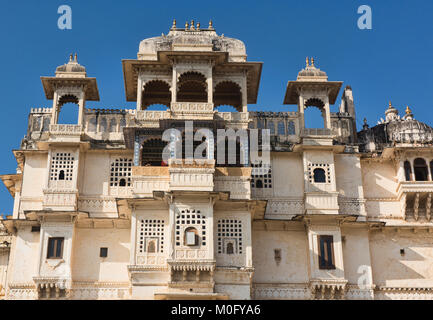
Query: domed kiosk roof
x=192 y=38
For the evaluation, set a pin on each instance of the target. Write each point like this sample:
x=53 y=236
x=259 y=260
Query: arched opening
x=191 y=236
x=156 y=92
x=122 y=182
x=281 y=128
x=314 y=113
x=192 y=87
x=271 y=127
x=151 y=153
x=319 y=175
x=291 y=128
x=151 y=248
x=407 y=171
x=230 y=249
x=103 y=126
x=113 y=125
x=62 y=175
x=228 y=93
x=68 y=110
x=420 y=169
x=259 y=184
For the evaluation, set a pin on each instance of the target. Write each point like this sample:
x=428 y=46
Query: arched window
x=103 y=125
x=156 y=92
x=62 y=175
x=271 y=127
x=122 y=183
x=259 y=184
x=291 y=128
x=230 y=248
x=113 y=125
x=319 y=175
x=420 y=169
x=191 y=236
x=407 y=170
x=192 y=87
x=228 y=93
x=281 y=129
x=91 y=127
x=151 y=247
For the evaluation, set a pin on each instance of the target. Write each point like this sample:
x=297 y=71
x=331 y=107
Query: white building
x=340 y=214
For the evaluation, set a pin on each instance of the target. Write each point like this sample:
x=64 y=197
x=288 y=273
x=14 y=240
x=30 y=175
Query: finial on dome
x=174 y=24
x=70 y=57
x=390 y=105
x=307 y=62
x=312 y=61
x=76 y=57
x=197 y=26
x=210 y=24
x=192 y=25
x=408 y=111
x=186 y=25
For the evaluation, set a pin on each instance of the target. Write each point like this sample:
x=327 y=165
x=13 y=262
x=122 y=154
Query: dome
x=71 y=69
x=396 y=130
x=192 y=38
x=311 y=73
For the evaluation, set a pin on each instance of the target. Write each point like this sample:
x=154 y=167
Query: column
x=81 y=104
x=54 y=110
x=209 y=82
x=174 y=85
x=327 y=115
x=301 y=111
x=139 y=92
x=244 y=94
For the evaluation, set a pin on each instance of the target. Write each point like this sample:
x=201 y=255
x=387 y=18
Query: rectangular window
x=55 y=248
x=103 y=252
x=326 y=252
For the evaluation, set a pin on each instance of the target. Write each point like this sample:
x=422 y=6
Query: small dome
x=311 y=73
x=396 y=130
x=71 y=69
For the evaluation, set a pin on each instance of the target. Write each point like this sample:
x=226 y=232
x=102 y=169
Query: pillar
x=174 y=85
x=139 y=92
x=244 y=94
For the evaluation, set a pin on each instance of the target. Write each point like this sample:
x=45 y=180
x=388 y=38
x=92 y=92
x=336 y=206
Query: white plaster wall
x=356 y=255
x=86 y=263
x=25 y=254
x=379 y=179
x=293 y=266
x=391 y=269
x=34 y=176
x=287 y=175
x=348 y=176
x=96 y=174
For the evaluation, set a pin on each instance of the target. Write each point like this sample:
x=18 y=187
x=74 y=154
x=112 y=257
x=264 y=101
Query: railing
x=66 y=129
x=316 y=132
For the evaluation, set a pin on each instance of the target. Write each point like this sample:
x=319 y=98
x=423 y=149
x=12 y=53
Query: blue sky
x=390 y=62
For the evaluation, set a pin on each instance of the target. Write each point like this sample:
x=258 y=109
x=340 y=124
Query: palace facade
x=339 y=212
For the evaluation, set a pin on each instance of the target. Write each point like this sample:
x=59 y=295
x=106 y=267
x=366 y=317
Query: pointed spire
x=76 y=57
x=307 y=62
x=409 y=114
x=210 y=24
x=312 y=61
x=186 y=25
x=390 y=105
x=365 y=125
x=174 y=24
x=192 y=25
x=197 y=26
x=70 y=57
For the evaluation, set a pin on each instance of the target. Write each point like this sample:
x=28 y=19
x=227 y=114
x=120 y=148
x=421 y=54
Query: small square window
x=103 y=252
